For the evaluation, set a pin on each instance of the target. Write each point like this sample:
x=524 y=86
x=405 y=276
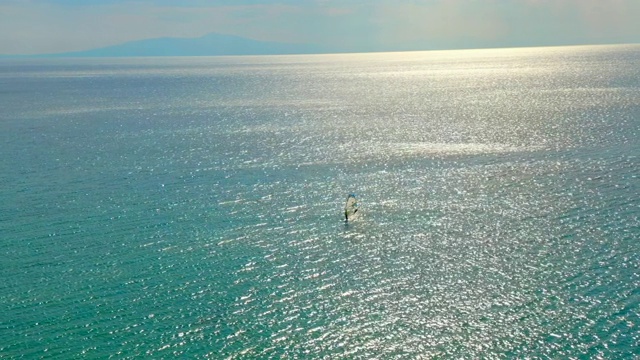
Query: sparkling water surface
x=192 y=207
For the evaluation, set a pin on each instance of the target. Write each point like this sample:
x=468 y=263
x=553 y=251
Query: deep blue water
x=192 y=207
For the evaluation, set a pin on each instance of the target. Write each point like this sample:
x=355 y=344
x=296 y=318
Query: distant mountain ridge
x=207 y=45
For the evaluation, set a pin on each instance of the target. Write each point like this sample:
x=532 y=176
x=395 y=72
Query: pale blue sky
x=47 y=26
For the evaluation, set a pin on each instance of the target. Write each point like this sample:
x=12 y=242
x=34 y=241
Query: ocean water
x=193 y=207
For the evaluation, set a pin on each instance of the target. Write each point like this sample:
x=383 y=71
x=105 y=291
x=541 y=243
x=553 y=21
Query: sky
x=51 y=26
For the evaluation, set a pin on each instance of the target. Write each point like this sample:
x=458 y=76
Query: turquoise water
x=192 y=207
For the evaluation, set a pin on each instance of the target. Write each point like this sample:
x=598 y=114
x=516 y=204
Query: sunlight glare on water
x=194 y=207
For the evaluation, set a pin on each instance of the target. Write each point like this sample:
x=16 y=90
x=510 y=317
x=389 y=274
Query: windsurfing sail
x=351 y=207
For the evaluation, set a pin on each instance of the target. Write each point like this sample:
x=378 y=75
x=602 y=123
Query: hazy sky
x=47 y=26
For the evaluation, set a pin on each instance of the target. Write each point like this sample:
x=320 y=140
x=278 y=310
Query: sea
x=194 y=207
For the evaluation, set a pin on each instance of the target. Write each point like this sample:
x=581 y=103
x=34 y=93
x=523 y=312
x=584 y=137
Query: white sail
x=350 y=207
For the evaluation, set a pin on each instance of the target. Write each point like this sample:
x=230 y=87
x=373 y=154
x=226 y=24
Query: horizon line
x=78 y=53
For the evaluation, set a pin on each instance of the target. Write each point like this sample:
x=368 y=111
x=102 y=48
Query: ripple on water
x=498 y=189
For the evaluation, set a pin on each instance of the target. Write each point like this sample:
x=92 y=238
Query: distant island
x=219 y=45
x=207 y=45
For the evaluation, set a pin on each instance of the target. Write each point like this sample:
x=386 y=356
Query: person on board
x=346 y=214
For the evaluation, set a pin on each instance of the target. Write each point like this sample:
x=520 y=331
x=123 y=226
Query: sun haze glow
x=49 y=26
